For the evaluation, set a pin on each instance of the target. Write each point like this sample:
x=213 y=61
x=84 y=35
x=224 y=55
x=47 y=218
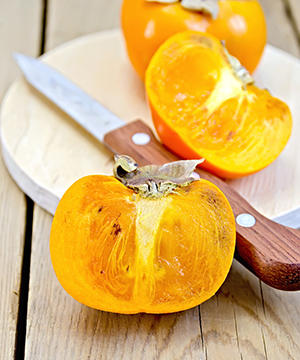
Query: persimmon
x=205 y=104
x=240 y=23
x=150 y=239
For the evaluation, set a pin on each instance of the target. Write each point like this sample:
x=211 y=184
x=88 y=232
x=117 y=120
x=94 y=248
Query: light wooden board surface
x=42 y=142
x=19 y=31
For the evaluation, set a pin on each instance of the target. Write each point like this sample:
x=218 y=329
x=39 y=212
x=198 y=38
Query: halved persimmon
x=151 y=239
x=204 y=104
x=147 y=24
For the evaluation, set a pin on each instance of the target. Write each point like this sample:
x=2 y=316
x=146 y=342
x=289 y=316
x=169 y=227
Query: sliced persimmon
x=145 y=241
x=204 y=104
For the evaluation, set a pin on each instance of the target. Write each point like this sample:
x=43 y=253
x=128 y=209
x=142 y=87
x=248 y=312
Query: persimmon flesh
x=202 y=107
x=115 y=250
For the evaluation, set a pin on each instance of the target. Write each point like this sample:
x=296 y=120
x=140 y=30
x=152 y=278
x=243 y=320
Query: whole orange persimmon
x=204 y=104
x=150 y=239
x=147 y=24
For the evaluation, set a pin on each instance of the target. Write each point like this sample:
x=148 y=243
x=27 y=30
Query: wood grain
x=295 y=15
x=61 y=328
x=12 y=224
x=249 y=320
x=69 y=19
x=280 y=30
x=232 y=320
x=20 y=25
x=19 y=31
x=283 y=339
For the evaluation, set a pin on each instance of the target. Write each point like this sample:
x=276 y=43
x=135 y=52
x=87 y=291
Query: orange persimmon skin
x=201 y=109
x=146 y=25
x=116 y=251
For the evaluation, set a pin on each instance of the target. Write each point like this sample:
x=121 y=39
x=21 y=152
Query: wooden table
x=39 y=321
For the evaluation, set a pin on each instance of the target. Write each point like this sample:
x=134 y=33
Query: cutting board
x=46 y=151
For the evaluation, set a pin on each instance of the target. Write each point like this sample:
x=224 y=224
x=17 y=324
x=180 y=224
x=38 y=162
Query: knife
x=270 y=250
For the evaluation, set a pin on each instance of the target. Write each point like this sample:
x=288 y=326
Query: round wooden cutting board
x=46 y=151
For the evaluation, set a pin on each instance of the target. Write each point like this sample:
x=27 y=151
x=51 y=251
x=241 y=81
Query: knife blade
x=88 y=112
x=270 y=250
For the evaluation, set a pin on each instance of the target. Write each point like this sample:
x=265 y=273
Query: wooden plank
x=249 y=320
x=232 y=320
x=295 y=10
x=61 y=328
x=280 y=30
x=20 y=31
x=69 y=19
x=20 y=24
x=12 y=224
x=282 y=323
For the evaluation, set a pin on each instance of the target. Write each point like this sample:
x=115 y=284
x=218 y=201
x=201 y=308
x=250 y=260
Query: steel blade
x=88 y=112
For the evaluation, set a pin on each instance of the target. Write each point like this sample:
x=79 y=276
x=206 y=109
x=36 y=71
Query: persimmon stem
x=153 y=181
x=210 y=7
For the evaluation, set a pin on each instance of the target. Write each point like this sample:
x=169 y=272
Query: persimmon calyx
x=210 y=7
x=238 y=69
x=154 y=181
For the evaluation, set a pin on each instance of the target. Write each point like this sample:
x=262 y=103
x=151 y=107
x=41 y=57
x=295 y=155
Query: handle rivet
x=141 y=139
x=246 y=220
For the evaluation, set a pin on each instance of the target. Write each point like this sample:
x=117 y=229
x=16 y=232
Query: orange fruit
x=204 y=105
x=129 y=251
x=146 y=25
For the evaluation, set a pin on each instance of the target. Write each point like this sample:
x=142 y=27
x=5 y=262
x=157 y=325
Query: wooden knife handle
x=270 y=250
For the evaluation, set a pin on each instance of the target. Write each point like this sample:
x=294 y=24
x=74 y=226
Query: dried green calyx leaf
x=210 y=7
x=154 y=181
x=239 y=70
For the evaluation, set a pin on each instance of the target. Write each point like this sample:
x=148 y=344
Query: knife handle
x=270 y=250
